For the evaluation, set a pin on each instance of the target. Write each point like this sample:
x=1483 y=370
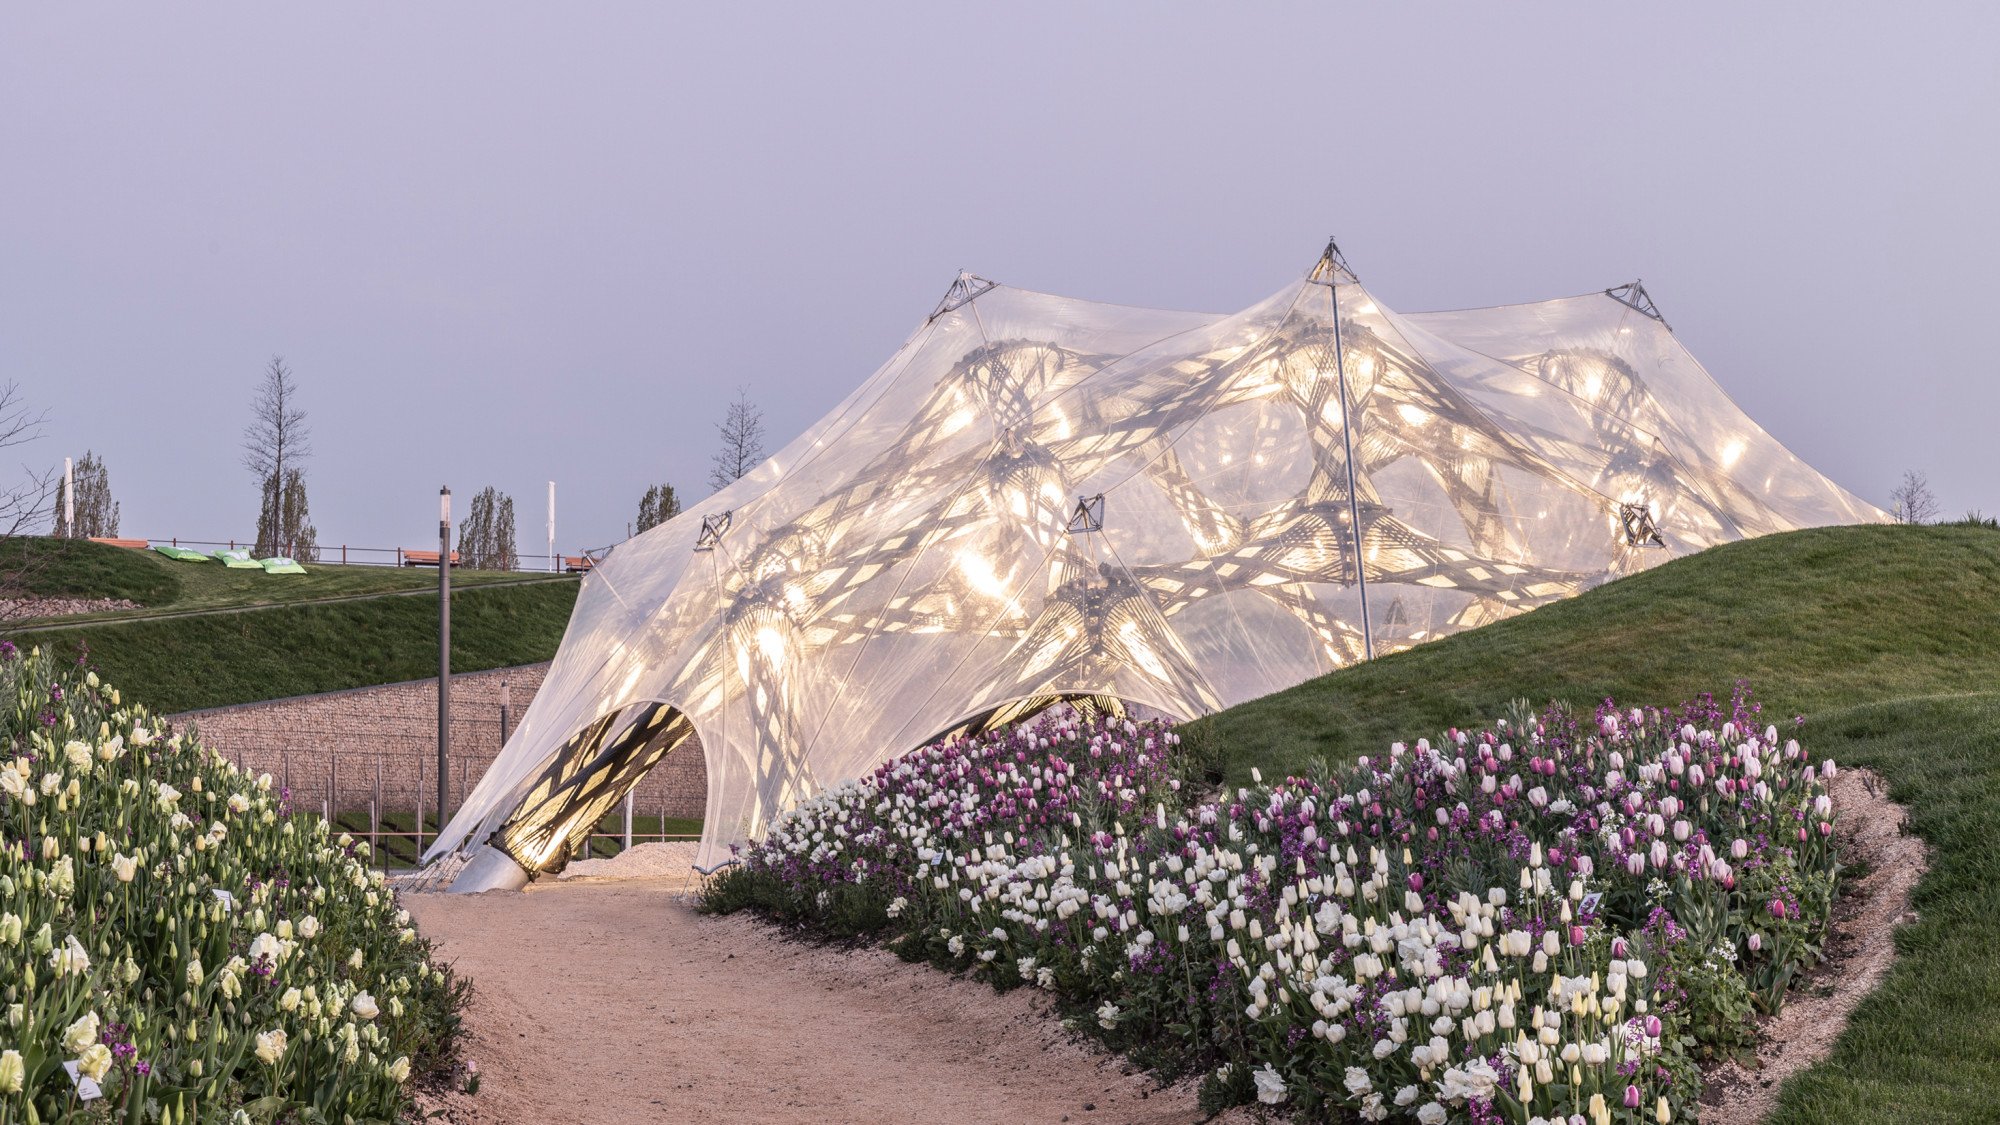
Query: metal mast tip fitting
x=1332 y=268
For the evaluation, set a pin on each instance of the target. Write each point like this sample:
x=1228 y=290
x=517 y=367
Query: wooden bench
x=422 y=558
x=578 y=564
x=130 y=544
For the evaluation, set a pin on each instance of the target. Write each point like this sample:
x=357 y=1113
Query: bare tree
x=27 y=500
x=96 y=513
x=275 y=444
x=657 y=506
x=742 y=431
x=1912 y=501
x=23 y=503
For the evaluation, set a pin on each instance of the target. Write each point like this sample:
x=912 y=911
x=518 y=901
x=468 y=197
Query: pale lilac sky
x=500 y=243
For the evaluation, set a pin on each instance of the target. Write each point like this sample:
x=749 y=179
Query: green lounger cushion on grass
x=238 y=559
x=281 y=566
x=183 y=554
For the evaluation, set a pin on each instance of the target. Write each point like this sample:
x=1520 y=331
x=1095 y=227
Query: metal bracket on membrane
x=1635 y=297
x=962 y=291
x=1089 y=515
x=1637 y=522
x=712 y=528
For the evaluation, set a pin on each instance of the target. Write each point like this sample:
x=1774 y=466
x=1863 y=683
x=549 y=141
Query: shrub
x=170 y=927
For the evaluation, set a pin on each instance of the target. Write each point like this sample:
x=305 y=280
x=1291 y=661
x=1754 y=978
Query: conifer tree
x=96 y=511
x=486 y=537
x=657 y=507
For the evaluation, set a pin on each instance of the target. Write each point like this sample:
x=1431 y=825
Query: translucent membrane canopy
x=1040 y=498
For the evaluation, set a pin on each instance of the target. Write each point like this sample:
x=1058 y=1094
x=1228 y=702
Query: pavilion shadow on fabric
x=1039 y=498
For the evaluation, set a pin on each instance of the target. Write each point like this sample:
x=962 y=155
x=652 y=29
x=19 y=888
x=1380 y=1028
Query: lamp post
x=444 y=650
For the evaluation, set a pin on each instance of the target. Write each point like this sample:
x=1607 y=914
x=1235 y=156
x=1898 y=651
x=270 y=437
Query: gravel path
x=615 y=1002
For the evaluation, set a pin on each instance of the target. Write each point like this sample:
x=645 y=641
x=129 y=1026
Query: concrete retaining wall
x=380 y=743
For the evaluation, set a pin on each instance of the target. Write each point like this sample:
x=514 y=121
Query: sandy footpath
x=1860 y=949
x=615 y=1001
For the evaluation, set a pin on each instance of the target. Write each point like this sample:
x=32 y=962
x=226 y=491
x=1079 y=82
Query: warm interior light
x=771 y=643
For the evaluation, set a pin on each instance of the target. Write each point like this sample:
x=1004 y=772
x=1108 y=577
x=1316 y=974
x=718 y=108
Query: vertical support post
x=375 y=815
x=628 y=820
x=332 y=791
x=552 y=528
x=1347 y=440
x=420 y=805
x=69 y=498
x=444 y=652
x=503 y=714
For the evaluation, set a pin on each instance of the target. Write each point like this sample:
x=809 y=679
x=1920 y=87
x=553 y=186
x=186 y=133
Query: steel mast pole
x=1334 y=266
x=444 y=652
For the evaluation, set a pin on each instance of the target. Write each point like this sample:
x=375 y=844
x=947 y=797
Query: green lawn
x=80 y=568
x=185 y=663
x=1886 y=638
x=1925 y=1046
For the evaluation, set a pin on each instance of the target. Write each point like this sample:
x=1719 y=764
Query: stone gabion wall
x=380 y=743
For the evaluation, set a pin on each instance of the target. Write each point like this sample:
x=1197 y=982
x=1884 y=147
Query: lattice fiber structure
x=1040 y=499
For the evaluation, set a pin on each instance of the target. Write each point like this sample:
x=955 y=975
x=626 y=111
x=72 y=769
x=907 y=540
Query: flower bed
x=1535 y=923
x=177 y=946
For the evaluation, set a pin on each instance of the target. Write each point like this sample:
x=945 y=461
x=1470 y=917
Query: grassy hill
x=207 y=636
x=1813 y=620
x=1886 y=638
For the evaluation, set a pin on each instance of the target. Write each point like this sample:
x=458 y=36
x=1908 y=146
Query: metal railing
x=402 y=815
x=344 y=554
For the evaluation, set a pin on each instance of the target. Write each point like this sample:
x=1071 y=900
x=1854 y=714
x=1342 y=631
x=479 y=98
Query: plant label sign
x=227 y=900
x=86 y=1089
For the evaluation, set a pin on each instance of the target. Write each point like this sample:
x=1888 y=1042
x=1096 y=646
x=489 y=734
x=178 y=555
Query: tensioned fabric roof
x=1039 y=498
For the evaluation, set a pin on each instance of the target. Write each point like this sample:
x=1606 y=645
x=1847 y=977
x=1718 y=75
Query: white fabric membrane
x=912 y=560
